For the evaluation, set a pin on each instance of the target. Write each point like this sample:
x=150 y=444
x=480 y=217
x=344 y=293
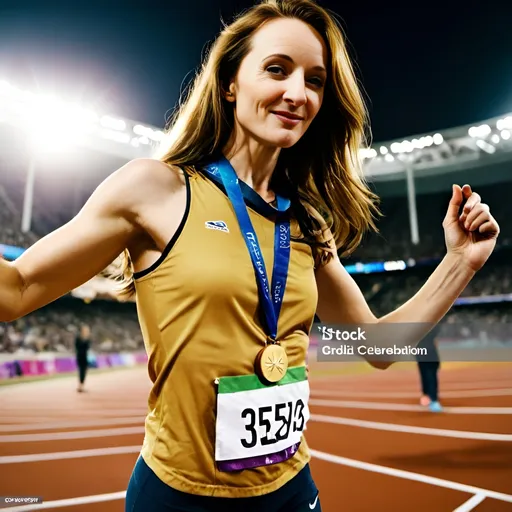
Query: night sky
x=424 y=66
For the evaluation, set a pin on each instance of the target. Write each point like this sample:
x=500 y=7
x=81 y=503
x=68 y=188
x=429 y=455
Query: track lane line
x=409 y=475
x=70 y=424
x=80 y=434
x=388 y=406
x=393 y=427
x=339 y=420
x=471 y=503
x=405 y=394
x=74 y=454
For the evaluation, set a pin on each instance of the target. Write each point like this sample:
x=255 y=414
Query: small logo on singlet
x=219 y=225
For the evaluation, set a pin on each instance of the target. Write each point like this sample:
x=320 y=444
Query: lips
x=287 y=119
x=287 y=115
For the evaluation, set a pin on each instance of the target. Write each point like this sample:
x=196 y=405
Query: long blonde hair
x=322 y=173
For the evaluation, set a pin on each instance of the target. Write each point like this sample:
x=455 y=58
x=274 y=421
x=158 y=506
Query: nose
x=295 y=92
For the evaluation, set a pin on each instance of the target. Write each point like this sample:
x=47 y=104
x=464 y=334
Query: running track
x=373 y=448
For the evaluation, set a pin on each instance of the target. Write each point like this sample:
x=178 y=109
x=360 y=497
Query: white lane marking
x=452 y=385
x=471 y=503
x=75 y=454
x=392 y=427
x=70 y=424
x=474 y=384
x=87 y=434
x=409 y=475
x=81 y=434
x=77 y=413
x=382 y=394
x=387 y=406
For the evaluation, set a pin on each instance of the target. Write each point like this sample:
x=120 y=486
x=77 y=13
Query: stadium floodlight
x=367 y=153
x=429 y=140
x=53 y=124
x=481 y=131
x=394 y=265
x=57 y=126
x=113 y=123
x=147 y=133
x=485 y=146
x=504 y=124
x=115 y=136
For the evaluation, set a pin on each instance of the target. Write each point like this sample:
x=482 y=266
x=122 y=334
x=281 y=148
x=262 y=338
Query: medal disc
x=272 y=363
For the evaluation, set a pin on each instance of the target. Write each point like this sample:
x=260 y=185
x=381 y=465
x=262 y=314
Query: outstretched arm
x=470 y=238
x=76 y=252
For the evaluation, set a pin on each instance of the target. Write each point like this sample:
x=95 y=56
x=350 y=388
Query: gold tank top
x=199 y=312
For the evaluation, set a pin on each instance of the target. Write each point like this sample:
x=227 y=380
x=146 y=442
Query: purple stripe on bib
x=262 y=460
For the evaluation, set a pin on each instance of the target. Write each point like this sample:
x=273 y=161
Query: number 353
x=290 y=414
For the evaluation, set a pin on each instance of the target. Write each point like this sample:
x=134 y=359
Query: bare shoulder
x=152 y=172
x=154 y=200
x=138 y=193
x=143 y=179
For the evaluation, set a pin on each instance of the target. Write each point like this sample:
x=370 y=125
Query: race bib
x=260 y=424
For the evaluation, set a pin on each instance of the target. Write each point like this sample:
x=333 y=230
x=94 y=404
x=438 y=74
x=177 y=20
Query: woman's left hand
x=471 y=234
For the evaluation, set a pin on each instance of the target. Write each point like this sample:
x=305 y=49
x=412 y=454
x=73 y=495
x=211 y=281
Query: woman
x=260 y=172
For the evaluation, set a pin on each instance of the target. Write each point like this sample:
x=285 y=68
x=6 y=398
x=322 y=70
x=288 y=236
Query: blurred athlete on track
x=82 y=347
x=230 y=238
x=428 y=367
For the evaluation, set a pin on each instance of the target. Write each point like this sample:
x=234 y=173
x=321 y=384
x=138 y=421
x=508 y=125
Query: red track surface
x=117 y=400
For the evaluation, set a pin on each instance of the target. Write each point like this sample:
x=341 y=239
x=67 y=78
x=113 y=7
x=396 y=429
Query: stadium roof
x=461 y=148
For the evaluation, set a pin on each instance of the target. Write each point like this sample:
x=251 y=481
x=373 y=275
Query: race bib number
x=258 y=424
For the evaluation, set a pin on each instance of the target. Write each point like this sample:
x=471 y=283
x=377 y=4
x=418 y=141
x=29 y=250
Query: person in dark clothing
x=429 y=367
x=82 y=346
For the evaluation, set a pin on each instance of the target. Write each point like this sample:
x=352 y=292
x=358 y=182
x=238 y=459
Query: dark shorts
x=147 y=493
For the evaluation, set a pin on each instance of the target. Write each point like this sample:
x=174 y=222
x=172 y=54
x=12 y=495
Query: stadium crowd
x=54 y=328
x=10 y=224
x=114 y=325
x=393 y=242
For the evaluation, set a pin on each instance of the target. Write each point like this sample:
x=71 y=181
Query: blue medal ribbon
x=272 y=297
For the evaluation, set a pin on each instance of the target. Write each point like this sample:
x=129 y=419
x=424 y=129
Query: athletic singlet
x=200 y=316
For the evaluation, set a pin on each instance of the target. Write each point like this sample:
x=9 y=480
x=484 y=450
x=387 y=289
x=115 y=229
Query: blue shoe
x=435 y=407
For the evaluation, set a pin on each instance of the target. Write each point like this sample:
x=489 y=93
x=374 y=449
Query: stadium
x=367 y=428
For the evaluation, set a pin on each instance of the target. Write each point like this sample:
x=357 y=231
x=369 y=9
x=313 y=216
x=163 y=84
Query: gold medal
x=272 y=363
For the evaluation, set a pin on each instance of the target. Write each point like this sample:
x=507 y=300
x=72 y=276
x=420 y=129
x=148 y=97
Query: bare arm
x=77 y=251
x=342 y=302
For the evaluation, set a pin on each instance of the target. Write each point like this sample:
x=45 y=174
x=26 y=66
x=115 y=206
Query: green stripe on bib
x=251 y=382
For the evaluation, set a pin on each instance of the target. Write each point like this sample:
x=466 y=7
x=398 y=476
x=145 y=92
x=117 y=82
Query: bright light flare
x=56 y=126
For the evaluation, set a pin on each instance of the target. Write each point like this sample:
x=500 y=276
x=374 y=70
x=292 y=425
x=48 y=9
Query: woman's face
x=280 y=84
